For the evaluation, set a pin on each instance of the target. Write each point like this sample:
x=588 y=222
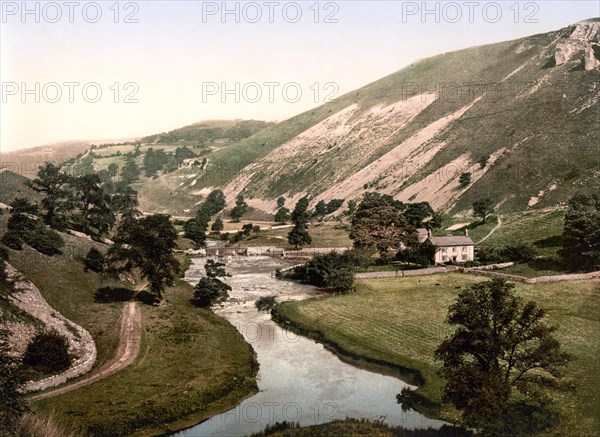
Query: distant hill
x=520 y=116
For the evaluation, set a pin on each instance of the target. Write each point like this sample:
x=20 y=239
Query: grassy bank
x=192 y=363
x=401 y=321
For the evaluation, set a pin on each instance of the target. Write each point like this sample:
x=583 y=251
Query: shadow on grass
x=553 y=241
x=120 y=294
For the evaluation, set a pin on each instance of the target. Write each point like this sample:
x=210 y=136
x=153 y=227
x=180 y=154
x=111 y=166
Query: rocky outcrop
x=585 y=34
x=81 y=344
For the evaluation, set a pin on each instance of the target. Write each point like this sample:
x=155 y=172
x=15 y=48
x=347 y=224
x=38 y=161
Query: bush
x=11 y=239
x=94 y=261
x=265 y=303
x=519 y=253
x=210 y=291
x=45 y=240
x=48 y=353
x=332 y=271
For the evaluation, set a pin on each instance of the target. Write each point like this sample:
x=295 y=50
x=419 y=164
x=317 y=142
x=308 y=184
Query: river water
x=298 y=380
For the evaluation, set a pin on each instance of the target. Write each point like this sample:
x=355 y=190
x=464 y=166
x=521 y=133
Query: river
x=298 y=380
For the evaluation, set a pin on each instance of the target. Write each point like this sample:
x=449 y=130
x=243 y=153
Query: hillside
x=520 y=116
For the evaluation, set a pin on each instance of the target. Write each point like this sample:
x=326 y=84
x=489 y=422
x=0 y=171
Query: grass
x=192 y=365
x=328 y=234
x=400 y=321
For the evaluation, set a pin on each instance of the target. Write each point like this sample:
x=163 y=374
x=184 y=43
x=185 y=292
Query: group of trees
x=581 y=233
x=195 y=228
x=210 y=290
x=387 y=226
x=159 y=160
x=299 y=235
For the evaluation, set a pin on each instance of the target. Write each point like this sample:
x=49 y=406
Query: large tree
x=53 y=183
x=501 y=343
x=299 y=235
x=239 y=209
x=483 y=207
x=581 y=233
x=12 y=402
x=379 y=225
x=210 y=290
x=147 y=244
x=94 y=204
x=131 y=171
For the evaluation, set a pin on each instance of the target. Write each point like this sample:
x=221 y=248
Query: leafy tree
x=334 y=205
x=282 y=215
x=94 y=203
x=217 y=225
x=300 y=214
x=214 y=203
x=499 y=342
x=464 y=179
x=147 y=244
x=94 y=261
x=280 y=201
x=152 y=161
x=299 y=236
x=113 y=169
x=239 y=209
x=57 y=197
x=25 y=228
x=195 y=230
x=48 y=353
x=422 y=215
x=483 y=207
x=379 y=225
x=247 y=229
x=320 y=208
x=210 y=290
x=581 y=233
x=131 y=172
x=332 y=271
x=22 y=205
x=12 y=402
x=124 y=200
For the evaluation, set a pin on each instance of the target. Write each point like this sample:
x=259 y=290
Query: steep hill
x=521 y=117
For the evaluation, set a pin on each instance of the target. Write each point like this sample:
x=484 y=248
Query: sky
x=84 y=70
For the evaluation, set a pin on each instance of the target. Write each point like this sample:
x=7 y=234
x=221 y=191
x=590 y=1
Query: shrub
x=48 y=353
x=11 y=239
x=519 y=253
x=265 y=303
x=210 y=291
x=94 y=261
x=45 y=240
x=333 y=271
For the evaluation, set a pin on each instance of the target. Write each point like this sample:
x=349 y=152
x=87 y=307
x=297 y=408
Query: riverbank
x=401 y=322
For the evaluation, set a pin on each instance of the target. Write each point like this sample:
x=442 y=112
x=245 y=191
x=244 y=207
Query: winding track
x=489 y=234
x=127 y=352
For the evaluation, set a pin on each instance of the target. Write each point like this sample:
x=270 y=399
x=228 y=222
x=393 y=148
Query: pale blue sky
x=174 y=51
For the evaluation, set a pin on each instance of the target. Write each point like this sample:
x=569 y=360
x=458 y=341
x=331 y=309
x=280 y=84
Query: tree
x=6 y=286
x=483 y=161
x=94 y=203
x=379 y=225
x=422 y=215
x=147 y=243
x=113 y=169
x=499 y=342
x=247 y=229
x=280 y=201
x=195 y=230
x=581 y=233
x=482 y=208
x=265 y=303
x=300 y=214
x=211 y=290
x=217 y=225
x=214 y=203
x=48 y=353
x=464 y=179
x=94 y=261
x=282 y=215
x=334 y=205
x=239 y=209
x=299 y=236
x=57 y=198
x=131 y=172
x=12 y=402
x=124 y=200
x=320 y=208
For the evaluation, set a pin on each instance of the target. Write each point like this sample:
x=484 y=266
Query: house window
x=464 y=249
x=443 y=250
x=464 y=257
x=454 y=249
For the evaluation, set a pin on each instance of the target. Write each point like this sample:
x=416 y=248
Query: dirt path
x=129 y=347
x=489 y=234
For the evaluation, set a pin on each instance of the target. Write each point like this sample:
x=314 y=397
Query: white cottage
x=451 y=248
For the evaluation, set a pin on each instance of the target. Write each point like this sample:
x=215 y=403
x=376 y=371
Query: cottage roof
x=459 y=240
x=422 y=234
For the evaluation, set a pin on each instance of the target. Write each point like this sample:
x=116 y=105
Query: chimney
x=428 y=233
x=466 y=232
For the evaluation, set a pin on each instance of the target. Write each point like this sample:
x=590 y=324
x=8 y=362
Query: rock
x=584 y=34
x=589 y=60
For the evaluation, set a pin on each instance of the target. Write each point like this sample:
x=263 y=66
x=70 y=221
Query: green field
x=400 y=322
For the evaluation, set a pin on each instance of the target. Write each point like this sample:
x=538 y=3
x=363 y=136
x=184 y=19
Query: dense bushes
x=23 y=228
x=265 y=303
x=94 y=261
x=519 y=253
x=210 y=291
x=332 y=271
x=48 y=353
